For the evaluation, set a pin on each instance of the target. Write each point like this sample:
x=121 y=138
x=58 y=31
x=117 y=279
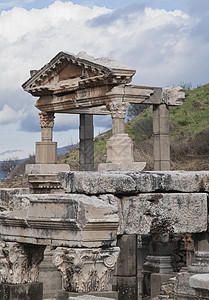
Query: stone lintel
x=136 y=94
x=184 y=212
x=124 y=182
x=97 y=110
x=90 y=97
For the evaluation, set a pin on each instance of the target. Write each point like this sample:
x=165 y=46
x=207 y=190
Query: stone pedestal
x=43 y=178
x=120 y=155
x=119 y=146
x=120 y=149
x=46 y=152
x=27 y=291
x=155 y=264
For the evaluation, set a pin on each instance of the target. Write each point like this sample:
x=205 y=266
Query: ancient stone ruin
x=117 y=233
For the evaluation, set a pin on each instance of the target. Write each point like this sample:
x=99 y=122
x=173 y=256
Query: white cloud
x=9 y=115
x=159 y=44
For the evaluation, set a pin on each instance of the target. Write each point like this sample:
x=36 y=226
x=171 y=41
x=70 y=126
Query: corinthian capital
x=46 y=119
x=19 y=263
x=117 y=109
x=86 y=270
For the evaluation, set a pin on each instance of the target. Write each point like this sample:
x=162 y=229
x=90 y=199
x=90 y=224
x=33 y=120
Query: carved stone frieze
x=86 y=270
x=46 y=119
x=117 y=109
x=19 y=262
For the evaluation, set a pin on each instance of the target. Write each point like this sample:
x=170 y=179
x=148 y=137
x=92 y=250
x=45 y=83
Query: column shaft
x=161 y=137
x=86 y=146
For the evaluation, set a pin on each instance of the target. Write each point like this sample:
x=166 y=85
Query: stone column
x=46 y=150
x=86 y=146
x=126 y=277
x=161 y=137
x=119 y=146
x=19 y=268
x=86 y=270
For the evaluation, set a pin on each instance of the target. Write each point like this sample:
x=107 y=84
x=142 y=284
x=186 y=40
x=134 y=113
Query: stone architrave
x=46 y=150
x=19 y=263
x=86 y=270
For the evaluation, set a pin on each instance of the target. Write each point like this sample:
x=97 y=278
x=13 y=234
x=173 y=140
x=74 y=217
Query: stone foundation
x=27 y=291
x=97 y=210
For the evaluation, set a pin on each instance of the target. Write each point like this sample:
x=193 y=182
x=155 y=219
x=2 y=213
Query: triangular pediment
x=68 y=72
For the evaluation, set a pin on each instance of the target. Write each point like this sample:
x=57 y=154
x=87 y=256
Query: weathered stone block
x=27 y=291
x=97 y=182
x=182 y=287
x=71 y=220
x=199 y=281
x=157 y=279
x=185 y=212
x=7 y=194
x=121 y=182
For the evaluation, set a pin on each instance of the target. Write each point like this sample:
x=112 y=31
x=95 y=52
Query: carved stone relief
x=86 y=270
x=19 y=263
x=117 y=109
x=46 y=119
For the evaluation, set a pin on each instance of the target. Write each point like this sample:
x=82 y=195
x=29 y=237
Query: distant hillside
x=189 y=134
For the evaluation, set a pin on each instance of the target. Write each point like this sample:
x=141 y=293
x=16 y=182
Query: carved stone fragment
x=19 y=263
x=173 y=95
x=86 y=270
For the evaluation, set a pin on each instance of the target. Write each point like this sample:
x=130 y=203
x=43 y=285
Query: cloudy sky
x=166 y=41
